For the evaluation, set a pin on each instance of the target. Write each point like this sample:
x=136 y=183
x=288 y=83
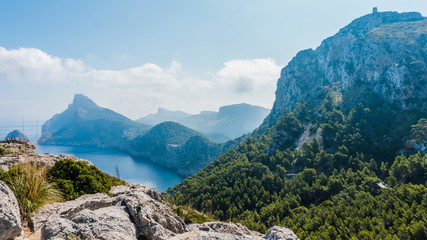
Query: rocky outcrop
x=232 y=231
x=104 y=223
x=26 y=152
x=277 y=232
x=383 y=53
x=10 y=218
x=153 y=219
x=133 y=209
x=133 y=212
x=17 y=135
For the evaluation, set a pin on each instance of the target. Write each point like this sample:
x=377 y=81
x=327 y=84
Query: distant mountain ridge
x=169 y=144
x=229 y=122
x=85 y=123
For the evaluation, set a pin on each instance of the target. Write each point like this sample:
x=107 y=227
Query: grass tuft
x=31 y=187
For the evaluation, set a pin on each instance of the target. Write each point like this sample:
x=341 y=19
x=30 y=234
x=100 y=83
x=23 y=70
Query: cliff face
x=384 y=53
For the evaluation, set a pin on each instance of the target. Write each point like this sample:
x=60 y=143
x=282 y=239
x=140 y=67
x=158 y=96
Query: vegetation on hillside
x=36 y=186
x=349 y=184
x=75 y=179
x=4 y=151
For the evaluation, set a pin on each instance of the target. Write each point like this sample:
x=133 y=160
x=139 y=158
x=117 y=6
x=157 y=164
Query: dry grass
x=32 y=189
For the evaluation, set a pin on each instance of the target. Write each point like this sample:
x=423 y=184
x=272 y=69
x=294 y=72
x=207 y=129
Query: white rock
x=10 y=218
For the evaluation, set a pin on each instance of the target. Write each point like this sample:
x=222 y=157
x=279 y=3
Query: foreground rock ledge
x=10 y=218
x=134 y=212
x=23 y=152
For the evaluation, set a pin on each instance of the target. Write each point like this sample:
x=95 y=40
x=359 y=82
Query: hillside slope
x=361 y=99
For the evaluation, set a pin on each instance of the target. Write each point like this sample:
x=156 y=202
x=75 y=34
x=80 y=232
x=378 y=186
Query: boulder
x=218 y=230
x=66 y=210
x=109 y=223
x=153 y=219
x=276 y=233
x=133 y=209
x=10 y=218
x=232 y=231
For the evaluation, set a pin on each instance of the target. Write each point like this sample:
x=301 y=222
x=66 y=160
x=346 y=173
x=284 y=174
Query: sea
x=111 y=161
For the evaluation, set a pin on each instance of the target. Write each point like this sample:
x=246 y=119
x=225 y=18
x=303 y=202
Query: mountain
x=342 y=153
x=381 y=55
x=85 y=123
x=163 y=115
x=168 y=144
x=228 y=123
x=177 y=147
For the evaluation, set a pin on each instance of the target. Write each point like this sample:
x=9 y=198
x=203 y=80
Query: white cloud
x=247 y=75
x=135 y=91
x=32 y=64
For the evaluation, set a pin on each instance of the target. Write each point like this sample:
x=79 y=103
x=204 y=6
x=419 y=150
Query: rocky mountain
x=85 y=123
x=346 y=136
x=228 y=123
x=382 y=55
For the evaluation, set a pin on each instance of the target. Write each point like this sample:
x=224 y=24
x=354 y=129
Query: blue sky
x=135 y=56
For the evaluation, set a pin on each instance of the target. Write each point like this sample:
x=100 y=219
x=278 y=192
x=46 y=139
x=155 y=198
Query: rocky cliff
x=384 y=53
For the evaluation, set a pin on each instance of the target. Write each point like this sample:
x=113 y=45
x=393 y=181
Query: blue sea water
x=132 y=170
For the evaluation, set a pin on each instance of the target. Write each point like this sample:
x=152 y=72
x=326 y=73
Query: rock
x=10 y=217
x=232 y=231
x=88 y=215
x=153 y=219
x=280 y=233
x=68 y=209
x=134 y=212
x=26 y=152
x=218 y=230
x=15 y=134
x=124 y=189
x=104 y=223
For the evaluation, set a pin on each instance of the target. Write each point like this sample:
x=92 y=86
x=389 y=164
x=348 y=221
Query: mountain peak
x=82 y=100
x=362 y=25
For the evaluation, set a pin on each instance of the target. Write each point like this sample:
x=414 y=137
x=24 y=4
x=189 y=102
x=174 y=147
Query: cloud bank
x=49 y=83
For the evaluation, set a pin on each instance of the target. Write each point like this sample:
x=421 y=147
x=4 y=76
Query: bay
x=132 y=170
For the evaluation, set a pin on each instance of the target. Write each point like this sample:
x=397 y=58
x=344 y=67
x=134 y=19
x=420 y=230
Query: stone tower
x=375 y=10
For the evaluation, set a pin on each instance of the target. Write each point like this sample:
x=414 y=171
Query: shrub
x=75 y=179
x=191 y=216
x=4 y=151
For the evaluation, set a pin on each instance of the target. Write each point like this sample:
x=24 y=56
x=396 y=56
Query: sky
x=135 y=56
